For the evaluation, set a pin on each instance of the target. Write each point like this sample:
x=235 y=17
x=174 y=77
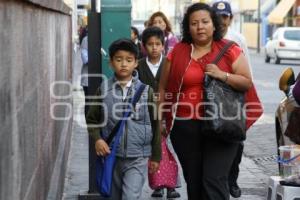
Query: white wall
x=83 y=2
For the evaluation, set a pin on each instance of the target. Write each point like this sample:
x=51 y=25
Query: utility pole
x=94 y=68
x=258 y=26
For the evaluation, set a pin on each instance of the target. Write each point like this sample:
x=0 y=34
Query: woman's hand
x=215 y=72
x=239 y=79
x=101 y=147
x=153 y=167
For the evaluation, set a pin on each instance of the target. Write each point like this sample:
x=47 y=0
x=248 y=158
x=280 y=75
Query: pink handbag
x=166 y=176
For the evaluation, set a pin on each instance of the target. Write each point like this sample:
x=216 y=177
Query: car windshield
x=292 y=35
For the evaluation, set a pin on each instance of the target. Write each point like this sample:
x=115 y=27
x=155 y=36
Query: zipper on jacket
x=125 y=136
x=125 y=140
x=126 y=125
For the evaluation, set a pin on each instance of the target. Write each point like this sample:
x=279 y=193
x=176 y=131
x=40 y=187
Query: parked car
x=283 y=45
x=287 y=117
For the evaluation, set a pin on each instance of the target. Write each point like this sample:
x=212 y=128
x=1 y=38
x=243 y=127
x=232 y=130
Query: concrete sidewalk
x=252 y=179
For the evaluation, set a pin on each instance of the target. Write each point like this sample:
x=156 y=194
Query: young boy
x=149 y=69
x=141 y=138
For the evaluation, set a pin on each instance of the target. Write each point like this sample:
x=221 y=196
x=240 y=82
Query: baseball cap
x=222 y=8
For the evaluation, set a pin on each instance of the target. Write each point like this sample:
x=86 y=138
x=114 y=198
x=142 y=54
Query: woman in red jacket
x=205 y=161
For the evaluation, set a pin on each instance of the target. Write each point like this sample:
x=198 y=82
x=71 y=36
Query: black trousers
x=234 y=171
x=206 y=162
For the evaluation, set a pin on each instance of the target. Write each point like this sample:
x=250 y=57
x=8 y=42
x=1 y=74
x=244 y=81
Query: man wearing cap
x=223 y=9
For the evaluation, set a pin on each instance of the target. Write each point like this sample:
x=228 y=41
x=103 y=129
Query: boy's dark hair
x=136 y=31
x=123 y=44
x=153 y=31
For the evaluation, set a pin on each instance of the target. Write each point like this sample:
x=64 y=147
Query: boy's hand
x=101 y=147
x=153 y=167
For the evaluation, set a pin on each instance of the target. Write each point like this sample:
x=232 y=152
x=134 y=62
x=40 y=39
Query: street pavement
x=259 y=159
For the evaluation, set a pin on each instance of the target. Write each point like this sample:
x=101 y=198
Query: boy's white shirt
x=136 y=41
x=126 y=88
x=154 y=67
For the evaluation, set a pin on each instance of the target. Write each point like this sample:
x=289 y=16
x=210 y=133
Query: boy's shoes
x=158 y=193
x=235 y=191
x=172 y=193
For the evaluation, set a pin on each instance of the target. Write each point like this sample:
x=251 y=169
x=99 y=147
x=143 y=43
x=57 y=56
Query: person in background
x=205 y=161
x=84 y=70
x=146 y=24
x=82 y=32
x=223 y=10
x=140 y=141
x=135 y=37
x=159 y=19
x=149 y=69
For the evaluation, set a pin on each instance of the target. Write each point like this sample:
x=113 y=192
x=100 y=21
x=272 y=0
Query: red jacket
x=180 y=61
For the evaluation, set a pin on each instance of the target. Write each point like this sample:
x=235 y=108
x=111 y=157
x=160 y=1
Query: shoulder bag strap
x=207 y=78
x=222 y=52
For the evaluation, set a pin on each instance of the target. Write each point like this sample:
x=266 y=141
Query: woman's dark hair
x=185 y=29
x=153 y=31
x=123 y=44
x=163 y=16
